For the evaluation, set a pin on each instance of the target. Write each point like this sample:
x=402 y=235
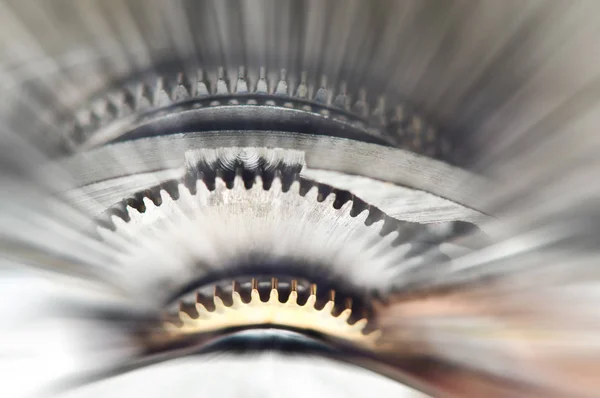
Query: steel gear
x=128 y=112
x=187 y=231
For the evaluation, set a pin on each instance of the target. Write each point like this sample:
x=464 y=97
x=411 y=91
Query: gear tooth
x=255 y=295
x=328 y=308
x=312 y=194
x=119 y=223
x=222 y=87
x=341 y=100
x=377 y=225
x=144 y=98
x=362 y=216
x=277 y=184
x=378 y=115
x=165 y=196
x=181 y=92
x=346 y=208
x=237 y=300
x=361 y=108
x=201 y=188
x=109 y=113
x=203 y=312
x=295 y=187
x=134 y=215
x=238 y=182
x=274 y=296
x=322 y=95
x=149 y=204
x=201 y=87
x=241 y=85
x=219 y=304
x=302 y=90
x=311 y=301
x=374 y=336
x=293 y=297
x=345 y=315
x=258 y=183
x=360 y=325
x=161 y=97
x=220 y=184
x=391 y=237
x=261 y=86
x=185 y=196
x=330 y=199
x=186 y=318
x=127 y=103
x=282 y=85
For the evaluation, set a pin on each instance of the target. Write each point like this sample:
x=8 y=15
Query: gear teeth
x=254 y=294
x=293 y=298
x=346 y=208
x=363 y=215
x=127 y=104
x=201 y=188
x=312 y=194
x=238 y=182
x=295 y=187
x=261 y=85
x=236 y=296
x=134 y=215
x=161 y=97
x=222 y=87
x=148 y=204
x=220 y=184
x=399 y=129
x=143 y=98
x=277 y=183
x=258 y=183
x=360 y=325
x=328 y=308
x=119 y=223
x=302 y=90
x=341 y=101
x=185 y=318
x=282 y=85
x=241 y=86
x=181 y=92
x=378 y=115
x=330 y=199
x=322 y=96
x=201 y=87
x=273 y=311
x=165 y=196
x=361 y=107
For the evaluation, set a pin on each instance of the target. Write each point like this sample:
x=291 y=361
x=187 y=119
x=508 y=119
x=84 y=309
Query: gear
x=174 y=234
x=116 y=115
x=328 y=320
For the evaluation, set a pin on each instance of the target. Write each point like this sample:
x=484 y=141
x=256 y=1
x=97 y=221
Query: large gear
x=202 y=228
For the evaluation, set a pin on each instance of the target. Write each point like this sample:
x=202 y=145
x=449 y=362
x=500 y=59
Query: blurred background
x=511 y=89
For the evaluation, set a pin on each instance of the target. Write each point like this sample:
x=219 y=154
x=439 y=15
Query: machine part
x=182 y=235
x=407 y=186
x=325 y=319
x=253 y=101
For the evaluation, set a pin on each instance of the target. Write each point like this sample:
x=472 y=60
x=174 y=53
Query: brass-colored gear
x=289 y=314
